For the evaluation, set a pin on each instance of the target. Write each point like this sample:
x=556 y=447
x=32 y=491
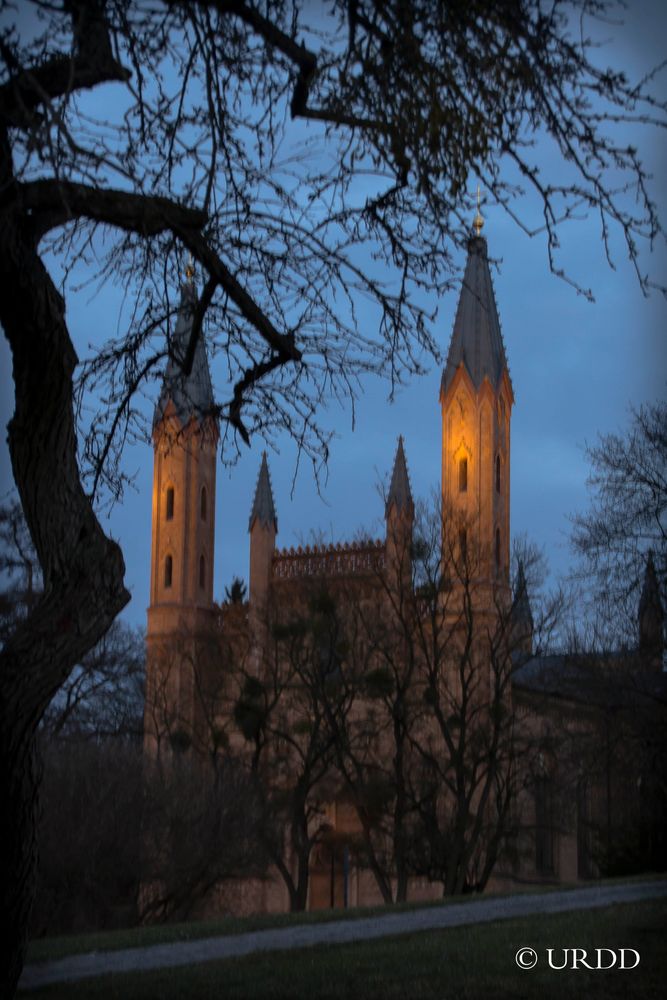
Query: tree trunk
x=299 y=898
x=301 y=847
x=82 y=569
x=18 y=777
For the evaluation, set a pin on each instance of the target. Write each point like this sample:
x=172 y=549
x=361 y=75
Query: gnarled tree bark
x=83 y=570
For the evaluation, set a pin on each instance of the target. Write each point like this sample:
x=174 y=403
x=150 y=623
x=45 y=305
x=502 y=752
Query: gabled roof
x=191 y=395
x=400 y=493
x=476 y=342
x=263 y=507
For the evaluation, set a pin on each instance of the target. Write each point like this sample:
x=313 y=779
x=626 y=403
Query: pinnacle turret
x=521 y=617
x=650 y=595
x=400 y=494
x=263 y=507
x=651 y=612
x=522 y=614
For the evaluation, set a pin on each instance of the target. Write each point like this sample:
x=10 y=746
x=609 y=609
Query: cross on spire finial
x=478 y=221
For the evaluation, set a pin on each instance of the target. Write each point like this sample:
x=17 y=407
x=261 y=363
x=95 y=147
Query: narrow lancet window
x=463 y=475
x=169 y=506
x=202 y=572
x=168 y=571
x=203 y=503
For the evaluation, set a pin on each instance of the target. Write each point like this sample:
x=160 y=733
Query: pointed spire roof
x=650 y=596
x=521 y=611
x=263 y=507
x=476 y=341
x=191 y=395
x=400 y=493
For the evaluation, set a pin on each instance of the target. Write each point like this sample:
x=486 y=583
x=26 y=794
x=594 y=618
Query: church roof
x=476 y=341
x=191 y=395
x=609 y=680
x=263 y=506
x=400 y=493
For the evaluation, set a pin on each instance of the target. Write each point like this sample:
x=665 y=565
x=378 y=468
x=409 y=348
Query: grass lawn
x=462 y=962
x=48 y=949
x=140 y=937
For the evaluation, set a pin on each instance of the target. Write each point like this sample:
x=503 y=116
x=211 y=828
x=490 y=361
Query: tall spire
x=521 y=619
x=476 y=342
x=651 y=613
x=521 y=612
x=400 y=494
x=263 y=507
x=650 y=590
x=191 y=395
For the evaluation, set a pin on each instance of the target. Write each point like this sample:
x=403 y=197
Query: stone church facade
x=553 y=814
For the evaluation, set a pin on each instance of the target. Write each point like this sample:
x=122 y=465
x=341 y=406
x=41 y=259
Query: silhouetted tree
x=200 y=828
x=626 y=520
x=202 y=815
x=104 y=694
x=237 y=592
x=199 y=147
x=429 y=745
x=90 y=827
x=287 y=695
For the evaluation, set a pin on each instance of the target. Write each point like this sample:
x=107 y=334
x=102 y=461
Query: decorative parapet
x=344 y=559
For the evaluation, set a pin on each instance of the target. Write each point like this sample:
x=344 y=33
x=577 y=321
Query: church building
x=474 y=613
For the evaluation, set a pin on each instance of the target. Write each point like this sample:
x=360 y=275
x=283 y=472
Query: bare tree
x=593 y=739
x=89 y=869
x=201 y=813
x=428 y=747
x=381 y=688
x=131 y=133
x=287 y=698
x=200 y=828
x=104 y=695
x=626 y=521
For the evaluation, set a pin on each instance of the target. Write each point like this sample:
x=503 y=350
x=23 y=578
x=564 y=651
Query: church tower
x=185 y=437
x=476 y=398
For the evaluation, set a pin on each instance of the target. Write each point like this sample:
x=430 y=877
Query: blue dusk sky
x=576 y=367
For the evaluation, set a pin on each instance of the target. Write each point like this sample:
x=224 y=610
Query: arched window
x=202 y=572
x=498 y=473
x=203 y=501
x=168 y=571
x=463 y=475
x=169 y=505
x=497 y=548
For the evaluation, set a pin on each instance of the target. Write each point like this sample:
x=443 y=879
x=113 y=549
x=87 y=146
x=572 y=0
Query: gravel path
x=162 y=956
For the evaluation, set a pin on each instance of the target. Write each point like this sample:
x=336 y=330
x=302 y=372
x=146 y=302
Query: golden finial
x=190 y=268
x=478 y=221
